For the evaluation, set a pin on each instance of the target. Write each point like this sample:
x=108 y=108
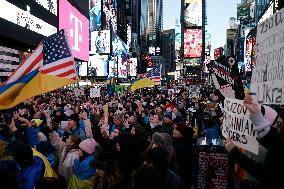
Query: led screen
x=98 y=65
x=25 y=19
x=110 y=15
x=95 y=15
x=133 y=66
x=83 y=69
x=50 y=5
x=121 y=68
x=193 y=13
x=100 y=42
x=192 y=43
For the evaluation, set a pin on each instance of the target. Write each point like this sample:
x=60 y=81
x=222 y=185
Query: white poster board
x=238 y=126
x=95 y=92
x=79 y=91
x=268 y=72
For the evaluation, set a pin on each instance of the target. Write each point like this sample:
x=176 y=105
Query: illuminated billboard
x=25 y=19
x=109 y=15
x=98 y=65
x=77 y=27
x=95 y=15
x=133 y=67
x=192 y=43
x=100 y=42
x=50 y=5
x=83 y=69
x=193 y=13
x=121 y=68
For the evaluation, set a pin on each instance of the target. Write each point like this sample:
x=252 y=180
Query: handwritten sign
x=95 y=92
x=79 y=91
x=212 y=170
x=237 y=125
x=268 y=71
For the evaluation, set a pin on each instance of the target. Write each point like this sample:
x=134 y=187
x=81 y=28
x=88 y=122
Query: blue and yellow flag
x=49 y=67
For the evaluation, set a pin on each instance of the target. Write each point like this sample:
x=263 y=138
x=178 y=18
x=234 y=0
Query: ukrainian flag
x=142 y=83
x=50 y=66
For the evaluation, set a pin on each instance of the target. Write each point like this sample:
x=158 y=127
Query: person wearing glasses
x=270 y=135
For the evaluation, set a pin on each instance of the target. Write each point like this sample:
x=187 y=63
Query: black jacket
x=270 y=174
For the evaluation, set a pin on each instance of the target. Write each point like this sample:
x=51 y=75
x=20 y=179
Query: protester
x=271 y=137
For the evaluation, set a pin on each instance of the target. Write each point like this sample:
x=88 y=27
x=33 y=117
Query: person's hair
x=112 y=177
x=76 y=141
x=145 y=177
x=50 y=183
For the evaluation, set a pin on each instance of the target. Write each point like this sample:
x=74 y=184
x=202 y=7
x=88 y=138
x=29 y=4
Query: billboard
x=50 y=5
x=77 y=28
x=193 y=13
x=192 y=62
x=95 y=15
x=244 y=11
x=192 y=43
x=250 y=49
x=25 y=18
x=207 y=43
x=132 y=67
x=121 y=68
x=83 y=69
x=100 y=42
x=98 y=65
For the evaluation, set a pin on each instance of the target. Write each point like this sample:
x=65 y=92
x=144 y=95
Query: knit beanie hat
x=269 y=113
x=88 y=145
x=169 y=116
x=180 y=126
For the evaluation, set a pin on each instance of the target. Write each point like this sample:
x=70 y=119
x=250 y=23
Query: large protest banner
x=238 y=126
x=268 y=71
x=226 y=77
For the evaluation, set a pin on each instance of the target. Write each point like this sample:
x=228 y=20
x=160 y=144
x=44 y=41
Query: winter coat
x=67 y=158
x=269 y=174
x=184 y=155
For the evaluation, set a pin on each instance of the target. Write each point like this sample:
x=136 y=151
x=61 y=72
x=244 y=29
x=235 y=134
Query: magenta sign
x=77 y=28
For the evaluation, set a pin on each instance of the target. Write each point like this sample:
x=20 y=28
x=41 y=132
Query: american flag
x=57 y=57
x=52 y=57
x=155 y=74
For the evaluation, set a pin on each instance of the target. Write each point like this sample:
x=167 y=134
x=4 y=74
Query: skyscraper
x=155 y=9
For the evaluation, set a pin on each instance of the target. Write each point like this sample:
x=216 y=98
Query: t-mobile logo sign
x=76 y=31
x=77 y=28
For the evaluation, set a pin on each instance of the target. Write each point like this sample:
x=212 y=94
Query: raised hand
x=250 y=104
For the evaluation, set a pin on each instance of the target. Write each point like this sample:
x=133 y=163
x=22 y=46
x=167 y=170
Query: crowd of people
x=145 y=139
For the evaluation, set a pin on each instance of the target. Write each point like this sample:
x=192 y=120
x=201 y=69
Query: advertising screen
x=25 y=19
x=244 y=11
x=207 y=43
x=77 y=28
x=83 y=69
x=193 y=13
x=50 y=5
x=177 y=37
x=133 y=67
x=95 y=15
x=98 y=65
x=192 y=43
x=121 y=68
x=100 y=42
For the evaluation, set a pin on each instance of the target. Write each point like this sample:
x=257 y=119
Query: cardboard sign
x=268 y=71
x=79 y=91
x=238 y=126
x=95 y=92
x=212 y=170
x=226 y=77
